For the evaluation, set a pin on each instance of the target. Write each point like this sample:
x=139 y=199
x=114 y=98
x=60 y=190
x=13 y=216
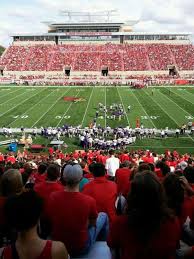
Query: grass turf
x=156 y=107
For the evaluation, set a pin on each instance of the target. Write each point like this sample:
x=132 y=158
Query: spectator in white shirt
x=112 y=164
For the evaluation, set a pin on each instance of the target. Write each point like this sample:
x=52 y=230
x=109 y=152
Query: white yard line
x=32 y=107
x=87 y=106
x=50 y=108
x=190 y=93
x=180 y=108
x=9 y=93
x=181 y=96
x=175 y=103
x=163 y=110
x=143 y=109
x=18 y=104
x=123 y=106
x=67 y=110
x=13 y=98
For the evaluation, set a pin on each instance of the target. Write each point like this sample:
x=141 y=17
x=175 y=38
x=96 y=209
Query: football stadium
x=60 y=78
x=97 y=142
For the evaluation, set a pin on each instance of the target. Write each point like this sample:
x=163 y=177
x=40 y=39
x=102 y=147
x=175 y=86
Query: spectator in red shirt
x=162 y=169
x=1 y=157
x=51 y=151
x=76 y=223
x=148 y=230
x=102 y=157
x=45 y=188
x=26 y=209
x=122 y=178
x=11 y=158
x=102 y=190
x=40 y=176
x=125 y=157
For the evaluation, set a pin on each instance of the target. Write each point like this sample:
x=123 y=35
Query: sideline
x=96 y=86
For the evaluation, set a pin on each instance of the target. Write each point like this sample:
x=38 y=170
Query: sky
x=22 y=16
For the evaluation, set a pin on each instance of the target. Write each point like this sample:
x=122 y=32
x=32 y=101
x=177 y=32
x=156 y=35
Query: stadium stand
x=160 y=184
x=159 y=56
x=135 y=58
x=91 y=57
x=183 y=56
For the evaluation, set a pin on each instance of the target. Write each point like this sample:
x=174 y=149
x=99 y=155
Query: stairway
x=53 y=53
x=172 y=56
x=27 y=60
x=148 y=59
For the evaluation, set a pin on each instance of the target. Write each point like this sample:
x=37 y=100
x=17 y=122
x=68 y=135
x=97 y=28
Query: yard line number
x=20 y=116
x=150 y=117
x=60 y=117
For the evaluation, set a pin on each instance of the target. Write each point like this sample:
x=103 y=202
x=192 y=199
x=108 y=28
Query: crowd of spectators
x=160 y=56
x=135 y=58
x=15 y=58
x=183 y=56
x=91 y=57
x=139 y=202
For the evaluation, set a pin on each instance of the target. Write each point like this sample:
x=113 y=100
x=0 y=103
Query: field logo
x=73 y=99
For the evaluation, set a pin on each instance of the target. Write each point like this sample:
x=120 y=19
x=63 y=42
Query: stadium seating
x=33 y=170
x=135 y=58
x=91 y=57
x=15 y=58
x=87 y=61
x=184 y=56
x=160 y=56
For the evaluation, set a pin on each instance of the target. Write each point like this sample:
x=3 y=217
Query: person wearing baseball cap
x=102 y=190
x=73 y=215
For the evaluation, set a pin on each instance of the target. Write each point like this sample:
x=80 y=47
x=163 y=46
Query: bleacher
x=91 y=57
x=184 y=56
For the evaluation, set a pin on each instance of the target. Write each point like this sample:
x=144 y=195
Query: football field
x=45 y=106
x=36 y=107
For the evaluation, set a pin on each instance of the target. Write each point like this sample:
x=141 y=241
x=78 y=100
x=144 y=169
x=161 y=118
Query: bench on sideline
x=8 y=141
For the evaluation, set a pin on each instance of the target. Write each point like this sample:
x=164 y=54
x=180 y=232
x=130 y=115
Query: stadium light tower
x=111 y=13
x=89 y=15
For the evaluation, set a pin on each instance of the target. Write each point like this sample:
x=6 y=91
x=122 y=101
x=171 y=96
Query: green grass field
x=44 y=106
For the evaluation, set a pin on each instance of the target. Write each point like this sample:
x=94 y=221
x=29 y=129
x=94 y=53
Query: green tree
x=1 y=50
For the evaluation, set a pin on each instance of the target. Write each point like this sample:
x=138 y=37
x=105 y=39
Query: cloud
x=96 y=5
x=155 y=15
